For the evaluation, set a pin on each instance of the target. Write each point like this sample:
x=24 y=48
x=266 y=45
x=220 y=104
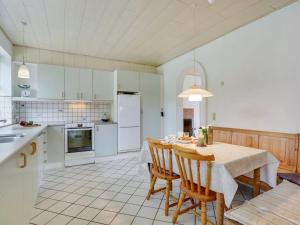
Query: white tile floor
x=109 y=192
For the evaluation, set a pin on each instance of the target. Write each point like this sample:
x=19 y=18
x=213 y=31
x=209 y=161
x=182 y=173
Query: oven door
x=79 y=140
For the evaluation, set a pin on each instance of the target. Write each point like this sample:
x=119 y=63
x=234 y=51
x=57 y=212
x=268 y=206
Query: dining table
x=231 y=161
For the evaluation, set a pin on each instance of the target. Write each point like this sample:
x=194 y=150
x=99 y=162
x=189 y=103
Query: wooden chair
x=162 y=168
x=190 y=187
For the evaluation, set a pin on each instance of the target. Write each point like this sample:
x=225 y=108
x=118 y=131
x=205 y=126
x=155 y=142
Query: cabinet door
x=86 y=83
x=103 y=85
x=150 y=105
x=30 y=179
x=106 y=139
x=128 y=81
x=50 y=82
x=11 y=191
x=56 y=146
x=41 y=151
x=72 y=83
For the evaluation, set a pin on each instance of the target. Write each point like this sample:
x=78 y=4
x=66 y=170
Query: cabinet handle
x=33 y=146
x=24 y=160
x=44 y=142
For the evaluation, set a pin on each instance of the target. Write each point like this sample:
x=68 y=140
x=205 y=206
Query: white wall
x=260 y=67
x=5 y=65
x=5 y=44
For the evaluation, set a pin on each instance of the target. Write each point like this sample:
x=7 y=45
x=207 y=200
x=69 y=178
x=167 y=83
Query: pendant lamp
x=23 y=71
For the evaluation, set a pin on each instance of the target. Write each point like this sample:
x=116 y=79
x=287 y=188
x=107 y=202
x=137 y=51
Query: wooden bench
x=279 y=206
x=284 y=146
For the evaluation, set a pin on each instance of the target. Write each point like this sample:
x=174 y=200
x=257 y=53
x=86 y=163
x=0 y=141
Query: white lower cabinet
x=11 y=191
x=106 y=139
x=56 y=146
x=19 y=185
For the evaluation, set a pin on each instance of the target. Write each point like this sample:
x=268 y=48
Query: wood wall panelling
x=222 y=136
x=298 y=152
x=248 y=140
x=284 y=146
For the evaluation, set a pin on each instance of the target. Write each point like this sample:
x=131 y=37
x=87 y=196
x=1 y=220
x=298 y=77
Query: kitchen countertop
x=104 y=123
x=9 y=149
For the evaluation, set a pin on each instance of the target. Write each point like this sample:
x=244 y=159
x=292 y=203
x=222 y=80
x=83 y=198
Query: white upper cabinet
x=103 y=85
x=127 y=81
x=72 y=83
x=85 y=84
x=78 y=83
x=51 y=82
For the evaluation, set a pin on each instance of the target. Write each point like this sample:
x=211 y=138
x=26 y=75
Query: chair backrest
x=187 y=156
x=161 y=155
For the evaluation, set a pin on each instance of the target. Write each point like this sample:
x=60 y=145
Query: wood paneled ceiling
x=142 y=31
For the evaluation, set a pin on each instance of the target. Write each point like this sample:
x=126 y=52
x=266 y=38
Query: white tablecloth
x=230 y=161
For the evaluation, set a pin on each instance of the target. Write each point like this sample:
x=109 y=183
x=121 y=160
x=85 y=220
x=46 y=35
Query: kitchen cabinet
x=72 y=83
x=127 y=81
x=86 y=83
x=19 y=186
x=41 y=142
x=78 y=84
x=56 y=146
x=103 y=85
x=51 y=82
x=106 y=139
x=150 y=89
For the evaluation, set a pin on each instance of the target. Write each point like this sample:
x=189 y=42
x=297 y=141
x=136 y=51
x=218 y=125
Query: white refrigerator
x=129 y=122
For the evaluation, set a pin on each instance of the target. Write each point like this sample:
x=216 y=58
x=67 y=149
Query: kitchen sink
x=18 y=135
x=7 y=138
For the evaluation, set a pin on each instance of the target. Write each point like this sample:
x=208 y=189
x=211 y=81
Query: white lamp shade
x=195 y=98
x=196 y=91
x=23 y=72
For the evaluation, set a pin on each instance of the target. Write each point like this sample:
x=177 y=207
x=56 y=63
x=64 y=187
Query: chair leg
x=168 y=187
x=203 y=213
x=151 y=190
x=177 y=212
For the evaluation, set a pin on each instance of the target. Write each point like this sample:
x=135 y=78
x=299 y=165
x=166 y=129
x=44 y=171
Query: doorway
x=188 y=120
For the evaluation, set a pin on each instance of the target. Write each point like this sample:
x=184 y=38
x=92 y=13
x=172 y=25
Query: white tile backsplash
x=68 y=112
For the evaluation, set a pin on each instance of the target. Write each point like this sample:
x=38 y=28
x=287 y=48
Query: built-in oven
x=79 y=144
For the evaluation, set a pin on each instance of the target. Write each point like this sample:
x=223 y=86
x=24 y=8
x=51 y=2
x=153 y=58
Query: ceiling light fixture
x=23 y=71
x=195 y=93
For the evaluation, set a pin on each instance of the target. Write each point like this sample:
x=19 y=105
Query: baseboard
x=51 y=166
x=126 y=155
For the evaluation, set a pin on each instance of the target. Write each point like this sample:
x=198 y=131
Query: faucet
x=3 y=121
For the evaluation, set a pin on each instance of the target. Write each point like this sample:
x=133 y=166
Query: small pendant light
x=23 y=71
